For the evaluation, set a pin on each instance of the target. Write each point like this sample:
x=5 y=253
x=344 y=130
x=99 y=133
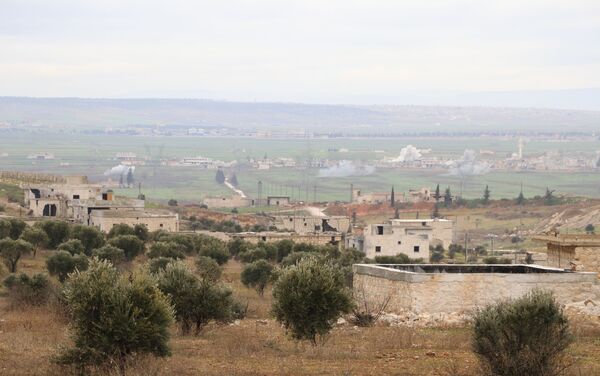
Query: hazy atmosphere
x=502 y=53
x=257 y=188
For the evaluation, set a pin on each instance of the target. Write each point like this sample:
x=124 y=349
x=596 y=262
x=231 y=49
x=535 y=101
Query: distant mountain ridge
x=350 y=119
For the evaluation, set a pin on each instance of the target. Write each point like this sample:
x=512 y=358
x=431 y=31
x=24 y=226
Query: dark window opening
x=75 y=197
x=379 y=230
x=417 y=249
x=399 y=242
x=424 y=223
x=378 y=249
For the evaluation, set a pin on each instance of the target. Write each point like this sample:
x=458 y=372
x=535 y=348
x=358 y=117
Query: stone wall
x=462 y=292
x=588 y=258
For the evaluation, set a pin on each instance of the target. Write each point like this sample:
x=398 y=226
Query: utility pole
x=466 y=246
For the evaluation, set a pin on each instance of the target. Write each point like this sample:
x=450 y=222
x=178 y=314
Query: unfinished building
x=455 y=288
x=270 y=237
x=153 y=220
x=572 y=251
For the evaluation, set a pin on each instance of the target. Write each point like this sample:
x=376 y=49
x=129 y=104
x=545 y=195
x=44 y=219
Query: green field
x=93 y=154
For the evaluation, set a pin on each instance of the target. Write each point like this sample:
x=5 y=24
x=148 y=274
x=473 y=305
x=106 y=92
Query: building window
x=417 y=249
x=423 y=223
x=161 y=225
x=75 y=197
x=399 y=242
x=378 y=249
x=379 y=230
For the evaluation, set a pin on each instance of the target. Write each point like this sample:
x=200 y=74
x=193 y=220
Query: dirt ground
x=257 y=345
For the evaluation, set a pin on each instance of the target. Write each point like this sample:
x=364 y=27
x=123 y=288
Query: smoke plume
x=119 y=170
x=346 y=168
x=408 y=154
x=468 y=165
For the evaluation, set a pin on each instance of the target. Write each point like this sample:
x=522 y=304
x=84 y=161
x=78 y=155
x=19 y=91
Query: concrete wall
x=462 y=292
x=310 y=224
x=316 y=239
x=153 y=223
x=234 y=201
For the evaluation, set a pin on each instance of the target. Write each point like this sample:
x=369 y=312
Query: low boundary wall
x=461 y=291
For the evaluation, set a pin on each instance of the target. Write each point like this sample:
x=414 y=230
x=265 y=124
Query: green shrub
x=167 y=249
x=525 y=336
x=130 y=244
x=400 y=258
x=208 y=268
x=293 y=258
x=196 y=301
x=155 y=265
x=120 y=229
x=237 y=246
x=25 y=290
x=114 y=317
x=497 y=260
x=186 y=242
x=253 y=255
x=217 y=252
x=257 y=275
x=17 y=226
x=90 y=237
x=309 y=297
x=73 y=246
x=57 y=231
x=284 y=248
x=109 y=253
x=4 y=228
x=239 y=309
x=11 y=252
x=62 y=263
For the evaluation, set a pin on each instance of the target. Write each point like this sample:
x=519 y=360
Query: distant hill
x=94 y=113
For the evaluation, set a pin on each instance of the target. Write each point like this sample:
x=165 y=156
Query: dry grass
x=29 y=337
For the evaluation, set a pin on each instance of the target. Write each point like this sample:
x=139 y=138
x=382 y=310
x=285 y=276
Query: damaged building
x=302 y=224
x=78 y=201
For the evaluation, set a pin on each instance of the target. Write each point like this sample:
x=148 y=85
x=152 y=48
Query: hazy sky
x=333 y=51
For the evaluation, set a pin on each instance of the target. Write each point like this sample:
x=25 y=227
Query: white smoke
x=468 y=165
x=345 y=168
x=119 y=170
x=408 y=154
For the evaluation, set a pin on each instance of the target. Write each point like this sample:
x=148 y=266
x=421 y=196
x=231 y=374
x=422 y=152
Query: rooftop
x=133 y=214
x=472 y=268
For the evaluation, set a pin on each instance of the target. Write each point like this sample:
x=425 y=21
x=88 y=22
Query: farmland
x=77 y=153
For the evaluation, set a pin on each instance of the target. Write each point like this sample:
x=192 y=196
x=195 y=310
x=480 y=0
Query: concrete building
x=420 y=195
x=153 y=220
x=233 y=201
x=312 y=224
x=444 y=288
x=371 y=198
x=572 y=251
x=411 y=237
x=278 y=201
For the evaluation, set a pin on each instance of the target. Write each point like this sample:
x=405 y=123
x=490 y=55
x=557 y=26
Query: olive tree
x=115 y=316
x=196 y=301
x=130 y=244
x=62 y=263
x=57 y=231
x=525 y=336
x=11 y=252
x=208 y=268
x=257 y=275
x=90 y=237
x=36 y=237
x=73 y=246
x=166 y=249
x=109 y=253
x=309 y=297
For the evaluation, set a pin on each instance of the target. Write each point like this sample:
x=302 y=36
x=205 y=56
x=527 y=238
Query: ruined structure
x=581 y=251
x=153 y=220
x=270 y=236
x=312 y=224
x=437 y=288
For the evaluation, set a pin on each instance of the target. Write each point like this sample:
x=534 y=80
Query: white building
x=411 y=237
